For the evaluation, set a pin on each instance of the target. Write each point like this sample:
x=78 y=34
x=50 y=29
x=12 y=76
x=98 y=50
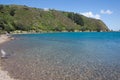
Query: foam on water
x=64 y=56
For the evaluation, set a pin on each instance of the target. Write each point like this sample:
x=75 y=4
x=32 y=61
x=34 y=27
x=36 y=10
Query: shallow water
x=64 y=56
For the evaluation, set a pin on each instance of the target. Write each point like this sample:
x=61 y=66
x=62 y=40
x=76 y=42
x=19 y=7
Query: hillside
x=17 y=17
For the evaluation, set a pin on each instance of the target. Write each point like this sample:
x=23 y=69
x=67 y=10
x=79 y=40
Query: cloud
x=46 y=9
x=91 y=15
x=106 y=12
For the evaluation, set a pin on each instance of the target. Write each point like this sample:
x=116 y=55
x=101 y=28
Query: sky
x=106 y=10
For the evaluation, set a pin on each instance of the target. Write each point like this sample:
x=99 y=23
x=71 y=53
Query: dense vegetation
x=16 y=17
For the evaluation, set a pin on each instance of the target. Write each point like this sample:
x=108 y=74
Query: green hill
x=17 y=17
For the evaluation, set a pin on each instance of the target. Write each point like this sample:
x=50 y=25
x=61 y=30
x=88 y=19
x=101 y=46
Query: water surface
x=64 y=56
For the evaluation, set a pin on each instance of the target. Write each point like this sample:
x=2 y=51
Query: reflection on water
x=64 y=56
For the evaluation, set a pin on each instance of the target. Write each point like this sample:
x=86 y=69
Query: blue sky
x=106 y=10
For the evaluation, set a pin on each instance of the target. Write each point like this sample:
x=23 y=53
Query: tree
x=8 y=27
x=12 y=12
x=76 y=18
x=1 y=7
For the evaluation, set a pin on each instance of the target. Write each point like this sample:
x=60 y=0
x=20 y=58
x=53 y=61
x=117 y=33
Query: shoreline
x=4 y=74
x=5 y=38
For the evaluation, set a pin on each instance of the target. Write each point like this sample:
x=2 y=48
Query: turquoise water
x=64 y=56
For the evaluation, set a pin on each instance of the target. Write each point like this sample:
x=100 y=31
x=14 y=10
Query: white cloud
x=46 y=9
x=106 y=12
x=91 y=15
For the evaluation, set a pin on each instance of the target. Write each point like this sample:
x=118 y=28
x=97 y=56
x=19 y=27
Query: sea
x=63 y=56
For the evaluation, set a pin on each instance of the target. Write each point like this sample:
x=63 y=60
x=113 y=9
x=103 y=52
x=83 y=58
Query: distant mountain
x=17 y=17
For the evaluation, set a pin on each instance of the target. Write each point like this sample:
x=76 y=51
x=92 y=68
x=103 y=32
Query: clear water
x=64 y=56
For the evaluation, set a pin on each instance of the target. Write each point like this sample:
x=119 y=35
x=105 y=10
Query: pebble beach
x=4 y=74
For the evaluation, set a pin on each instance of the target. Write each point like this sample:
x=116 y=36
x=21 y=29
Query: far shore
x=4 y=74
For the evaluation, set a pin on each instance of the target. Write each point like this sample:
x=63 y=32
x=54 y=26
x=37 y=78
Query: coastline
x=4 y=74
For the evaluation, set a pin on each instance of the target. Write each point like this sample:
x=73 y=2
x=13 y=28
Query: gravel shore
x=4 y=74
